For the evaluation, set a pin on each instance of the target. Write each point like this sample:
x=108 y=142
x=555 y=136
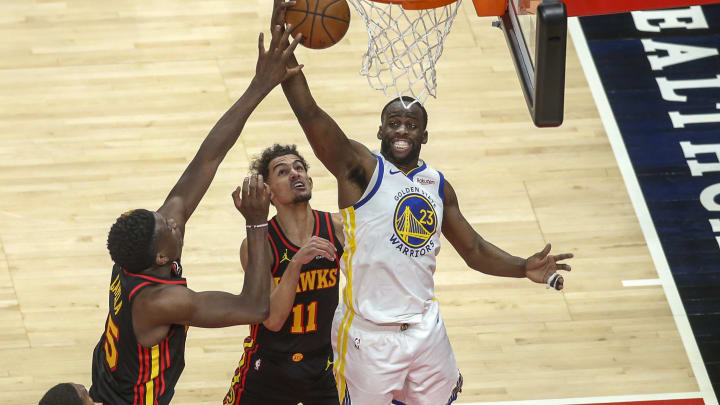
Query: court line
x=595 y=400
x=641 y=211
x=641 y=283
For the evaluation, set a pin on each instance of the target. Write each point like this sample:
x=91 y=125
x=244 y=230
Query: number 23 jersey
x=392 y=238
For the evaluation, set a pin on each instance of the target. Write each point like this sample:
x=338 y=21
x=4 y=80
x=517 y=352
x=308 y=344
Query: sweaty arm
x=478 y=253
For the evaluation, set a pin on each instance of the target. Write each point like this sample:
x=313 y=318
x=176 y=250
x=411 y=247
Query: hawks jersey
x=308 y=325
x=123 y=371
x=392 y=238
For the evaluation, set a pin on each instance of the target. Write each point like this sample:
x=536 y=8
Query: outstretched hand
x=541 y=266
x=271 y=68
x=254 y=204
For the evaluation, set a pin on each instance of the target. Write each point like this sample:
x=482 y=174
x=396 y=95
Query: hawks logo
x=415 y=220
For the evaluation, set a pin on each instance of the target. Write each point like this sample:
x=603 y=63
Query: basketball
x=322 y=22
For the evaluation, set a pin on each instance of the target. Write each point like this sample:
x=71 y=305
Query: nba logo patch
x=357 y=343
x=257 y=364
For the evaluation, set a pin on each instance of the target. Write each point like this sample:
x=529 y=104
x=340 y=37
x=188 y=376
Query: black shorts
x=264 y=378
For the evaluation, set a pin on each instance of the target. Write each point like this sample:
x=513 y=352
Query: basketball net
x=403 y=47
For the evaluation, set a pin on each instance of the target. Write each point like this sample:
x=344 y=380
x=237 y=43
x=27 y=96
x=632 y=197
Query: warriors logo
x=415 y=220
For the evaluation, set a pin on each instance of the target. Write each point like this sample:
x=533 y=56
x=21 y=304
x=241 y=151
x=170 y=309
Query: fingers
x=280 y=18
x=279 y=9
x=321 y=247
x=266 y=192
x=561 y=266
x=292 y=72
x=555 y=281
x=236 y=197
x=275 y=37
x=246 y=187
x=285 y=36
x=290 y=49
x=259 y=186
x=327 y=249
x=563 y=256
x=544 y=252
x=261 y=43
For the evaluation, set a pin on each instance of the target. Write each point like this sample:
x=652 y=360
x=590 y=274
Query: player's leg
x=370 y=361
x=433 y=377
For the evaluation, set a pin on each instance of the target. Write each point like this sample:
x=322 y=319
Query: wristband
x=256 y=226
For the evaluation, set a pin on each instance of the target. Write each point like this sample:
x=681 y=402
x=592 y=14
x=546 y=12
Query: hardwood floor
x=102 y=104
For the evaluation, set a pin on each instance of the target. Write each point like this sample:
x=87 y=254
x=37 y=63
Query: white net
x=403 y=47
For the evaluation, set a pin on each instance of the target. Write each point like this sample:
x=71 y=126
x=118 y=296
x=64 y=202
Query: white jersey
x=392 y=238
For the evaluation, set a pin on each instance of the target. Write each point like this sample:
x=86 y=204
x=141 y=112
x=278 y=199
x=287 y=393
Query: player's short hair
x=131 y=240
x=261 y=164
x=61 y=394
x=407 y=100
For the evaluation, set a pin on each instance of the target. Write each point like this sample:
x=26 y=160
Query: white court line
x=596 y=400
x=641 y=211
x=641 y=283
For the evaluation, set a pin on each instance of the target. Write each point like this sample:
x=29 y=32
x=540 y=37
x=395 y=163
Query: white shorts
x=409 y=364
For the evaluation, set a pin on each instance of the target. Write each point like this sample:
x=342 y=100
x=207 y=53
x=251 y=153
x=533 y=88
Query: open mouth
x=298 y=185
x=401 y=145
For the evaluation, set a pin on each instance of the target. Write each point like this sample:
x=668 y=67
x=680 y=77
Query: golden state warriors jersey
x=392 y=238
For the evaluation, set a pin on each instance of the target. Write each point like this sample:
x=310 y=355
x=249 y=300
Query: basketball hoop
x=405 y=40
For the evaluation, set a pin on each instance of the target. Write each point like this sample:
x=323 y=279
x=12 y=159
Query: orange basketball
x=322 y=22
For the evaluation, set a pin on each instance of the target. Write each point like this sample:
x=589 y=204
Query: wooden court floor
x=102 y=104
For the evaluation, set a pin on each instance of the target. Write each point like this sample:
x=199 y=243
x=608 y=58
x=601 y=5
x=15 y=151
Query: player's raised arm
x=173 y=304
x=487 y=258
x=271 y=69
x=346 y=159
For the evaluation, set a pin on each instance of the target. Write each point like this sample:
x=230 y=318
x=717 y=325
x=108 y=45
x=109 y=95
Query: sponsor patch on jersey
x=425 y=181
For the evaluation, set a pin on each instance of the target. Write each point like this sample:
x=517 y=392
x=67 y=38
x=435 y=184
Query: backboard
x=538 y=45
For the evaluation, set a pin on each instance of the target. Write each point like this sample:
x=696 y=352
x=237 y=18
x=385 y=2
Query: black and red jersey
x=293 y=364
x=308 y=326
x=123 y=371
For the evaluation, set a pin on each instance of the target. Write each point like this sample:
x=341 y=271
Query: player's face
x=402 y=133
x=84 y=395
x=168 y=237
x=288 y=180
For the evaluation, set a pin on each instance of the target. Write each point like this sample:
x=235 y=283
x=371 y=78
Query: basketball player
x=288 y=358
x=140 y=355
x=388 y=336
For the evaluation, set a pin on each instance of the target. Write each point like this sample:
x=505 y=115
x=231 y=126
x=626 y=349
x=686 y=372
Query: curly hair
x=261 y=164
x=61 y=394
x=131 y=240
x=407 y=100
